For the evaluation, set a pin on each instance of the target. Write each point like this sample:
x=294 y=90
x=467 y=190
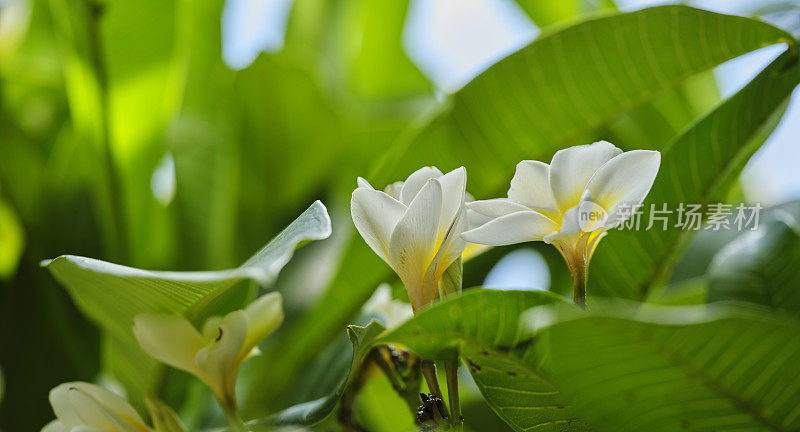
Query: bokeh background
x=185 y=134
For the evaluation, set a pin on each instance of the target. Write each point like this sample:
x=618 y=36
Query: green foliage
x=679 y=369
x=313 y=412
x=483 y=328
x=96 y=96
x=521 y=109
x=112 y=295
x=758 y=267
x=697 y=168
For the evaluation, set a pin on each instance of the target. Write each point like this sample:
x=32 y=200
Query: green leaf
x=163 y=417
x=679 y=369
x=564 y=86
x=313 y=412
x=484 y=326
x=545 y=13
x=12 y=240
x=759 y=267
x=112 y=294
x=696 y=168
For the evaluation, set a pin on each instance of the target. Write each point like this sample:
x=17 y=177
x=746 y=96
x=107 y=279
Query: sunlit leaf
x=679 y=369
x=541 y=99
x=696 y=168
x=483 y=326
x=112 y=294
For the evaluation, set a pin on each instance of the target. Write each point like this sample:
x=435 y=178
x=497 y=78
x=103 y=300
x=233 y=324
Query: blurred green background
x=184 y=134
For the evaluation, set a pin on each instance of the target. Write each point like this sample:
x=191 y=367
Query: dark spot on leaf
x=511 y=373
x=219 y=336
x=476 y=367
x=484 y=352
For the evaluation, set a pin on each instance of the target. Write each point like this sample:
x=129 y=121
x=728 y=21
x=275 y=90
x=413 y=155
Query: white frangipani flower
x=570 y=203
x=215 y=355
x=84 y=407
x=414 y=226
x=393 y=312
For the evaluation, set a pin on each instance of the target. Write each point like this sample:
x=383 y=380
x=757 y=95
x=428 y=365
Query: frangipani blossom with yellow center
x=84 y=407
x=570 y=203
x=215 y=355
x=414 y=226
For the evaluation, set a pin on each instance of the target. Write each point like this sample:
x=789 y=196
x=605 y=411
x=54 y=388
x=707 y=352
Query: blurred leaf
x=112 y=295
x=163 y=417
x=688 y=292
x=695 y=261
x=379 y=408
x=538 y=100
x=12 y=240
x=359 y=47
x=759 y=267
x=484 y=327
x=695 y=169
x=75 y=27
x=545 y=13
x=313 y=412
x=679 y=369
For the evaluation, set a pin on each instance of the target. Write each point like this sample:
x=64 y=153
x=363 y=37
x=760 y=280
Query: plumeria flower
x=570 y=203
x=414 y=226
x=391 y=312
x=216 y=354
x=84 y=407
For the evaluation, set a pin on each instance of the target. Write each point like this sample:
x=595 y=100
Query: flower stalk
x=429 y=372
x=451 y=371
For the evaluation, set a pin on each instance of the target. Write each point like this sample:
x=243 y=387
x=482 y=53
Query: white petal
x=414 y=239
x=375 y=215
x=531 y=187
x=264 y=316
x=451 y=248
x=170 y=339
x=572 y=168
x=362 y=182
x=55 y=426
x=454 y=186
x=497 y=207
x=219 y=359
x=393 y=189
x=624 y=181
x=512 y=228
x=570 y=230
x=79 y=403
x=416 y=181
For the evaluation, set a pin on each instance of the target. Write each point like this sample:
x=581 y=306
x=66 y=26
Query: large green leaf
x=759 y=267
x=696 y=168
x=564 y=86
x=680 y=369
x=483 y=326
x=112 y=294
